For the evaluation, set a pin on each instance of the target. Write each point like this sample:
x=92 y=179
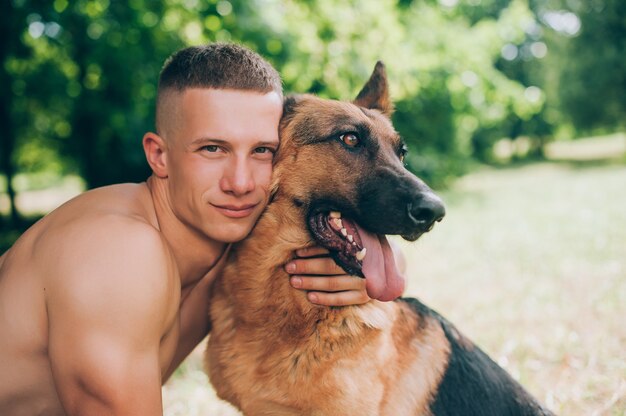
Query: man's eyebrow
x=268 y=143
x=212 y=140
x=203 y=140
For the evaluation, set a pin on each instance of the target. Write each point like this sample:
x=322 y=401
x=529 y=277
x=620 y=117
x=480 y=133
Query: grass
x=530 y=262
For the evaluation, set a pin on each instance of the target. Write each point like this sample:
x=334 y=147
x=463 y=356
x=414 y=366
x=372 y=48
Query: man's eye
x=210 y=148
x=264 y=150
x=350 y=139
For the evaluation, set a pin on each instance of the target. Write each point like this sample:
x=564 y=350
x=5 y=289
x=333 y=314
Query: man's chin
x=223 y=229
x=231 y=234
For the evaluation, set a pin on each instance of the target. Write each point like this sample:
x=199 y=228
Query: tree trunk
x=7 y=130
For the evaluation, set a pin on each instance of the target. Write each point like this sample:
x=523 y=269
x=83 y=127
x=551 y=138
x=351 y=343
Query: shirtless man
x=104 y=297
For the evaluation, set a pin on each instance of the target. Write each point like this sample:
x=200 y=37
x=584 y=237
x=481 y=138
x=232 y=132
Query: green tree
x=10 y=46
x=593 y=85
x=79 y=78
x=441 y=65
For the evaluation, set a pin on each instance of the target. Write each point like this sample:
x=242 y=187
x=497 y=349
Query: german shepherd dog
x=339 y=182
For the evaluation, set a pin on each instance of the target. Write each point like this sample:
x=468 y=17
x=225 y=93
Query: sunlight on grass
x=189 y=394
x=530 y=262
x=593 y=148
x=39 y=194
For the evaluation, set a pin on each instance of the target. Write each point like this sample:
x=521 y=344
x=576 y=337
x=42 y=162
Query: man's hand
x=327 y=283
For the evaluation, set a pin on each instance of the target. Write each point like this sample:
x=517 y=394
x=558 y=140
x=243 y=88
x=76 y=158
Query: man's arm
x=111 y=296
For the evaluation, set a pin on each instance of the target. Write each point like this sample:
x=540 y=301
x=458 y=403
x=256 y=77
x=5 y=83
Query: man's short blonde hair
x=217 y=66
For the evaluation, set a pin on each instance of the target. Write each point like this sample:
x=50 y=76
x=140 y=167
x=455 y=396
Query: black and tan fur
x=272 y=352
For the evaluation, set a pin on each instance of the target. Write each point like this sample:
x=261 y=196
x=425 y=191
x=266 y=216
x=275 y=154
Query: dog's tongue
x=383 y=280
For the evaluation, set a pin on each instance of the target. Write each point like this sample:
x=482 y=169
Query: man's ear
x=155 y=149
x=375 y=93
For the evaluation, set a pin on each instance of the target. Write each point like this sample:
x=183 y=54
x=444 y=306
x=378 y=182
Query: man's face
x=219 y=159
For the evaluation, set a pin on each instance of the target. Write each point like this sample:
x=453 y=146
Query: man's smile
x=236 y=210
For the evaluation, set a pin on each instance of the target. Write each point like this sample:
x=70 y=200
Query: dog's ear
x=290 y=103
x=375 y=93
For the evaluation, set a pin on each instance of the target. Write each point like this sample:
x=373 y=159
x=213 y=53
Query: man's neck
x=194 y=253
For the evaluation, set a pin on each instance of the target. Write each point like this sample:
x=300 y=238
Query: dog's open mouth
x=359 y=253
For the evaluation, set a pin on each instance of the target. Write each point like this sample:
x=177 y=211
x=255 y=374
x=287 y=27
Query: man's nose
x=238 y=178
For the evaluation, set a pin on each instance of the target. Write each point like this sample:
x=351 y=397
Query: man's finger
x=328 y=283
x=350 y=297
x=312 y=251
x=314 y=266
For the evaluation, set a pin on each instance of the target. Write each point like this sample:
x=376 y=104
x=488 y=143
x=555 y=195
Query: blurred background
x=513 y=110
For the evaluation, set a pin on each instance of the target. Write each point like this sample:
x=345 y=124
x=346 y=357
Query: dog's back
x=473 y=384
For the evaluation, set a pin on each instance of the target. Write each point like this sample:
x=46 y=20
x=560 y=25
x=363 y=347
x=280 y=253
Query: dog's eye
x=402 y=153
x=350 y=139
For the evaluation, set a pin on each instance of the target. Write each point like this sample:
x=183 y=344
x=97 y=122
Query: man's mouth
x=236 y=211
x=359 y=253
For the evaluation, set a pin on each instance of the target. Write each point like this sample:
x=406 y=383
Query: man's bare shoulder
x=112 y=294
x=126 y=200
x=103 y=248
x=118 y=276
x=104 y=216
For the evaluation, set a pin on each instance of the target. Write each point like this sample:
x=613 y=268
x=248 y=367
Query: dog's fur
x=272 y=352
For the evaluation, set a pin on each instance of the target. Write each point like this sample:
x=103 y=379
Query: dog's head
x=342 y=164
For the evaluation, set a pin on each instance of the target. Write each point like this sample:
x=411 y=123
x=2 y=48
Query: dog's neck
x=254 y=292
x=257 y=283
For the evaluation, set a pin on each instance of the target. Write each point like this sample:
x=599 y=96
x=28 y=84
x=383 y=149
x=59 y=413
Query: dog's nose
x=426 y=209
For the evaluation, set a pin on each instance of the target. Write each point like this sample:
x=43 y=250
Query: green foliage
x=441 y=65
x=593 y=85
x=78 y=79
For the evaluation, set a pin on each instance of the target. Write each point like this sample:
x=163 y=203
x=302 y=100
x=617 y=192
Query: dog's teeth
x=344 y=232
x=350 y=238
x=361 y=254
x=335 y=214
x=337 y=223
x=431 y=226
x=354 y=243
